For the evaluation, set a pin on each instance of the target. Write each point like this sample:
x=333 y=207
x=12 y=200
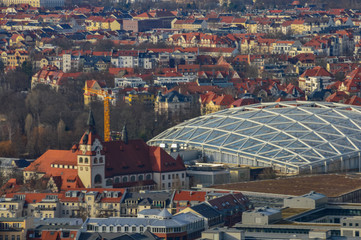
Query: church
x=93 y=163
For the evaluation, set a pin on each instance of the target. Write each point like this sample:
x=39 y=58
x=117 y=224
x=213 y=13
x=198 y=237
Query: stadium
x=292 y=137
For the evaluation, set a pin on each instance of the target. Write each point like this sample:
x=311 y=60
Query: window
x=148 y=177
x=126 y=229
x=86 y=160
x=182 y=175
x=95 y=160
x=125 y=179
x=111 y=229
x=81 y=160
x=357 y=233
x=98 y=179
x=117 y=180
x=169 y=176
x=169 y=184
x=132 y=178
x=163 y=177
x=141 y=229
x=100 y=160
x=140 y=178
x=104 y=228
x=109 y=182
x=134 y=229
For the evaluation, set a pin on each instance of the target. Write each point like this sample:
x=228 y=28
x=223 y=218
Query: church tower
x=91 y=158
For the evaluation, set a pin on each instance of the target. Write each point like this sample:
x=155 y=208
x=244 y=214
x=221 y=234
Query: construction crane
x=106 y=98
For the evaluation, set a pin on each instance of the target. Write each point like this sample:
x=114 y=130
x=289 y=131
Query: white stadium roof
x=296 y=134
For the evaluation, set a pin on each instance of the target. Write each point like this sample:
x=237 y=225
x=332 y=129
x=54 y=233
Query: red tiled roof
x=316 y=72
x=190 y=196
x=34 y=197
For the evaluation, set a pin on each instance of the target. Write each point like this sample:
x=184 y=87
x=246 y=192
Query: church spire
x=125 y=134
x=91 y=122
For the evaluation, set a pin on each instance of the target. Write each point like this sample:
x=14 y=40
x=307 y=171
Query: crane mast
x=106 y=98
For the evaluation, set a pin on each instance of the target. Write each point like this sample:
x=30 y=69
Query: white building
x=129 y=82
x=171 y=80
x=125 y=61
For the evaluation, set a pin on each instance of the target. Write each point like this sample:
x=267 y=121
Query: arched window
x=98 y=179
x=117 y=180
x=132 y=178
x=81 y=160
x=86 y=160
x=100 y=160
x=125 y=179
x=148 y=177
x=140 y=178
x=95 y=160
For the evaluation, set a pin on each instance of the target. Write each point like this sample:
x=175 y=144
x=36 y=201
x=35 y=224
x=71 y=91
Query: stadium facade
x=292 y=137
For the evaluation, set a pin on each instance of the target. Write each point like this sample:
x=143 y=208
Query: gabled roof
x=316 y=72
x=198 y=196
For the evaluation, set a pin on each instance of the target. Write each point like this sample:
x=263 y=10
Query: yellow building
x=94 y=23
x=251 y=27
x=111 y=24
x=92 y=85
x=189 y=24
x=16 y=39
x=139 y=97
x=211 y=102
x=298 y=26
x=35 y=3
x=14 y=58
x=14 y=228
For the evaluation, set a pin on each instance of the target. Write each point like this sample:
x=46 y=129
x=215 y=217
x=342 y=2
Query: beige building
x=172 y=104
x=35 y=3
x=14 y=228
x=73 y=203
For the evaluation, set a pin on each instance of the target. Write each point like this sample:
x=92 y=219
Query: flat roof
x=331 y=185
x=290 y=212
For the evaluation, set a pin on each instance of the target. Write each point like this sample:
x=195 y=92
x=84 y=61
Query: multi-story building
x=36 y=3
x=159 y=222
x=14 y=58
x=139 y=97
x=135 y=202
x=94 y=163
x=129 y=82
x=172 y=104
x=313 y=79
x=125 y=59
x=14 y=228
